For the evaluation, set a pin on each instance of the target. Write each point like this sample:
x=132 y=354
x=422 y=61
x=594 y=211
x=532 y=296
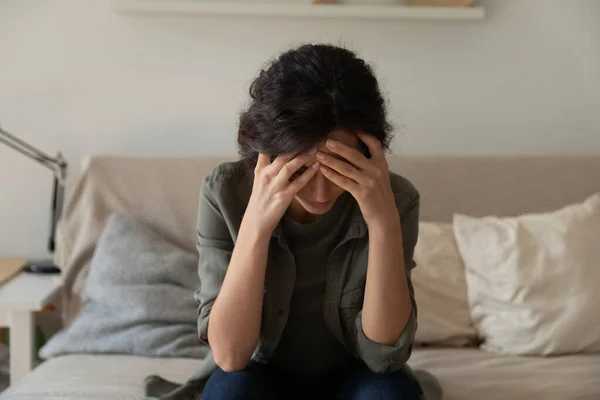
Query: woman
x=306 y=244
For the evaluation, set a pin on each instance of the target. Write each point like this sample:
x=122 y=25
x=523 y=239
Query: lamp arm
x=57 y=164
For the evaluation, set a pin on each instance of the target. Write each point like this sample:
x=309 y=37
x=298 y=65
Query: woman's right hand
x=273 y=191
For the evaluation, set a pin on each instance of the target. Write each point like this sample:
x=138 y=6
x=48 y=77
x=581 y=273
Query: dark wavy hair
x=306 y=93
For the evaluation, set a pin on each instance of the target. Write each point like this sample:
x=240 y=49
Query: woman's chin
x=316 y=208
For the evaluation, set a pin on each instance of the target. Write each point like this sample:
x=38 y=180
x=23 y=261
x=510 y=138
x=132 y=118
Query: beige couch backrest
x=164 y=192
x=500 y=185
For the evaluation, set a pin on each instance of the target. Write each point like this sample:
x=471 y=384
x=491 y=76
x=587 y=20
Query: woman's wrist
x=385 y=227
x=255 y=228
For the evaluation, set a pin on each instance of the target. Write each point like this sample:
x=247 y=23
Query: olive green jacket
x=223 y=200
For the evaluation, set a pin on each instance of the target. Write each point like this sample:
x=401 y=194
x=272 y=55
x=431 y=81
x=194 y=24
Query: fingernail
x=316 y=165
x=312 y=151
x=320 y=155
x=331 y=143
x=323 y=170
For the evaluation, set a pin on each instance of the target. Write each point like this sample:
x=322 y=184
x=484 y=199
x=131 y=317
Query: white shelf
x=29 y=291
x=271 y=9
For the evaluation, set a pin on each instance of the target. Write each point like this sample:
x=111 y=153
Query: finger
x=263 y=160
x=291 y=167
x=279 y=162
x=373 y=144
x=342 y=167
x=349 y=153
x=297 y=184
x=340 y=180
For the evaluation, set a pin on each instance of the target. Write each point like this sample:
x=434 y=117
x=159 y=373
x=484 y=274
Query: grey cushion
x=138 y=299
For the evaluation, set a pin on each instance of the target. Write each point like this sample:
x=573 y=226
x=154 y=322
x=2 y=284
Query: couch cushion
x=96 y=377
x=465 y=374
x=472 y=374
x=440 y=288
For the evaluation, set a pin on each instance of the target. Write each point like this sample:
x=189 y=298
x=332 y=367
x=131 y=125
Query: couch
x=163 y=193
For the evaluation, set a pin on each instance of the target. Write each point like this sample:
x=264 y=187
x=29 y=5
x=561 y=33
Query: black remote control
x=41 y=267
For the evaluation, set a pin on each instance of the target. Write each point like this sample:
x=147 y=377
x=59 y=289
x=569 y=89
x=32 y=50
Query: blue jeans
x=262 y=382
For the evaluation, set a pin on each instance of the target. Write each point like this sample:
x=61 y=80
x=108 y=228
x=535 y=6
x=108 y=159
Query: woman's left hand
x=367 y=179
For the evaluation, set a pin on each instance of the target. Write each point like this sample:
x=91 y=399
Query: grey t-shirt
x=307 y=347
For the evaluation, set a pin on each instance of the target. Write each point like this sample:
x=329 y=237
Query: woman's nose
x=320 y=187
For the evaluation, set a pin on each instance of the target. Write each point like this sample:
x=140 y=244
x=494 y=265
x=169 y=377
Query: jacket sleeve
x=215 y=245
x=383 y=358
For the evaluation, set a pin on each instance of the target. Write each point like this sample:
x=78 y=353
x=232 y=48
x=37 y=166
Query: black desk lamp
x=57 y=164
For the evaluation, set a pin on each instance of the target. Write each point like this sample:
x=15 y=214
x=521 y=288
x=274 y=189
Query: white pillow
x=440 y=289
x=533 y=280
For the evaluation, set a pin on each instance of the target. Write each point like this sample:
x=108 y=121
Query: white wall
x=76 y=76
